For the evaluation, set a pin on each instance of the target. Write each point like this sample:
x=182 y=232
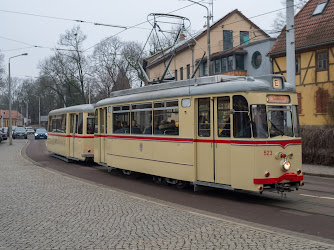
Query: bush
x=318 y=145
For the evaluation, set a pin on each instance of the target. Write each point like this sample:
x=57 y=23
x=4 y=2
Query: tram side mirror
x=232 y=111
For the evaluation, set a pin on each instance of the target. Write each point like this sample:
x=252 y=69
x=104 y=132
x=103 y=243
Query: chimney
x=182 y=37
x=204 y=26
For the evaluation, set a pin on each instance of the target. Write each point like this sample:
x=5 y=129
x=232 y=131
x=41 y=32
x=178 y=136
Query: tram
x=71 y=133
x=218 y=131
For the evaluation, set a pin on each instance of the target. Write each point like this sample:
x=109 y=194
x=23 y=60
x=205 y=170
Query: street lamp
x=10 y=99
x=39 y=109
x=208 y=16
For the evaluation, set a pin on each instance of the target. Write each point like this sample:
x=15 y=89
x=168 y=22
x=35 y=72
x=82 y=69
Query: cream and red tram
x=71 y=132
x=225 y=132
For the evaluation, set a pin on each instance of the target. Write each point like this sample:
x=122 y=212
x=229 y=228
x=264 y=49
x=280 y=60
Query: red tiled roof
x=5 y=114
x=310 y=30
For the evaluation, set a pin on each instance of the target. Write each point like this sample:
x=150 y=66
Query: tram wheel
x=126 y=172
x=157 y=179
x=182 y=184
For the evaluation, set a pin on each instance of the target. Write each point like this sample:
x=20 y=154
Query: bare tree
x=106 y=64
x=2 y=71
x=280 y=19
x=67 y=70
x=132 y=56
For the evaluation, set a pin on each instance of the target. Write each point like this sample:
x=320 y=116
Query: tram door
x=73 y=122
x=103 y=133
x=205 y=140
x=213 y=136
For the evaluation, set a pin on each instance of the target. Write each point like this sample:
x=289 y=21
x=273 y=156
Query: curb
x=319 y=175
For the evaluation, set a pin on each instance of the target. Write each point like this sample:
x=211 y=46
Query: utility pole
x=208 y=16
x=290 y=43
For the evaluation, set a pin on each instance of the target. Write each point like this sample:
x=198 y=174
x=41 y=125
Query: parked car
x=3 y=134
x=20 y=132
x=41 y=133
x=6 y=131
x=30 y=130
x=0 y=137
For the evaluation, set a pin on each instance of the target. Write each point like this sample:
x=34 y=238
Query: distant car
x=41 y=133
x=30 y=130
x=0 y=137
x=20 y=132
x=6 y=131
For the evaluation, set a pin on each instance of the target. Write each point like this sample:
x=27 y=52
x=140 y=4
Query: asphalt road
x=309 y=210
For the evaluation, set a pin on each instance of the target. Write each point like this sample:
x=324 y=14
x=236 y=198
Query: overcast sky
x=32 y=30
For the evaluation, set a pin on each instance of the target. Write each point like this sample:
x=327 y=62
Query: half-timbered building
x=314 y=43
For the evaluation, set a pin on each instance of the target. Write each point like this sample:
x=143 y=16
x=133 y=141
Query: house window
x=217 y=66
x=297 y=64
x=322 y=61
x=230 y=63
x=224 y=64
x=244 y=37
x=320 y=8
x=227 y=39
x=188 y=71
x=299 y=96
x=205 y=69
x=239 y=62
x=181 y=73
x=321 y=99
x=175 y=75
x=256 y=59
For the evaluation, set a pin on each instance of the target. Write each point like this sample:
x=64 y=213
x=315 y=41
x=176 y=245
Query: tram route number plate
x=268 y=152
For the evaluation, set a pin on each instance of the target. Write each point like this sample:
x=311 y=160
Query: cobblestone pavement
x=40 y=209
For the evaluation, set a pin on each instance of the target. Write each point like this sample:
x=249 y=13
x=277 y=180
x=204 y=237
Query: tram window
x=141 y=118
x=72 y=123
x=102 y=121
x=296 y=121
x=204 y=117
x=58 y=123
x=241 y=121
x=166 y=118
x=224 y=121
x=280 y=121
x=79 y=123
x=96 y=123
x=121 y=119
x=90 y=126
x=259 y=121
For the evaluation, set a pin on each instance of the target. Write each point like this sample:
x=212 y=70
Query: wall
x=263 y=47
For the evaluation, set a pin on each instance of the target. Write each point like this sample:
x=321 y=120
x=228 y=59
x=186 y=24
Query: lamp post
x=10 y=99
x=208 y=16
x=39 y=109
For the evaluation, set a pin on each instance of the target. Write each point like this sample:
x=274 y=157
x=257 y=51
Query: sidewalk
x=42 y=209
x=317 y=170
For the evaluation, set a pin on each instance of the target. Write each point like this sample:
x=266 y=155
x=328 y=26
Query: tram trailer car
x=71 y=133
x=219 y=131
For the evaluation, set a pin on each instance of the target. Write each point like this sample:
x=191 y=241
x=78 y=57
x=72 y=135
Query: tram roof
x=197 y=86
x=77 y=108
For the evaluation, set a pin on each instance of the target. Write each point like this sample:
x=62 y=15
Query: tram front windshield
x=273 y=121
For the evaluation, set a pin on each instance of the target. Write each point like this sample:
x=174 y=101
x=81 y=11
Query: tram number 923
x=268 y=152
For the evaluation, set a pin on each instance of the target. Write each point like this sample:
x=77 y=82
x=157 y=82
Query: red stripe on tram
x=234 y=142
x=288 y=176
x=76 y=136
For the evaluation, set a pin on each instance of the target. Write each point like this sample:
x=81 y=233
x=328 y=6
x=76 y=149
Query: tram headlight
x=286 y=165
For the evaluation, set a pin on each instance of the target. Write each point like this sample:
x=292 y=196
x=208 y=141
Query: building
x=17 y=118
x=230 y=39
x=314 y=43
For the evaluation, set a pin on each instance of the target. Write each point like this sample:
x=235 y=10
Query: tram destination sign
x=278 y=99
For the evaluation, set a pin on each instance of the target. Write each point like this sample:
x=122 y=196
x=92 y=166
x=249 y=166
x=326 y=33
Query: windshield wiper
x=277 y=129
